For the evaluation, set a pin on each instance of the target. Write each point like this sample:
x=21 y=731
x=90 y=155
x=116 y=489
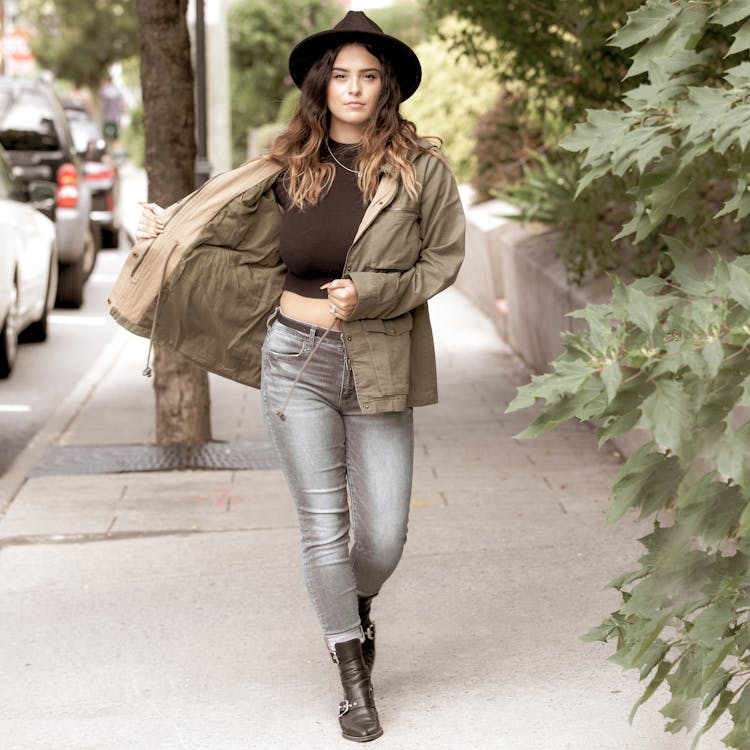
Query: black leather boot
x=357 y=713
x=368 y=628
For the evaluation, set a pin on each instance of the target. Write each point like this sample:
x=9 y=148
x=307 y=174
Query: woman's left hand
x=342 y=297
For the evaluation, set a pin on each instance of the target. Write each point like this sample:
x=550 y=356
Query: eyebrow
x=362 y=70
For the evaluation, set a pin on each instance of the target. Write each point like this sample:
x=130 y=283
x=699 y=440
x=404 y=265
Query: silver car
x=28 y=265
x=36 y=136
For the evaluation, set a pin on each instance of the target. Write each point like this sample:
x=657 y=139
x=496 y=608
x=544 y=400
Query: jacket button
x=135 y=255
x=348 y=268
x=348 y=338
x=367 y=406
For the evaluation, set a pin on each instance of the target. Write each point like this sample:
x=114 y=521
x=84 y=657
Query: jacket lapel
x=385 y=193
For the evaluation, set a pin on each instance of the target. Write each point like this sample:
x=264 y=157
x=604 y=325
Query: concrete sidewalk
x=166 y=610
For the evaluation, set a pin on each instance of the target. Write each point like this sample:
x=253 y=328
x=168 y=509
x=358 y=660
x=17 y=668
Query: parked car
x=100 y=170
x=36 y=136
x=28 y=263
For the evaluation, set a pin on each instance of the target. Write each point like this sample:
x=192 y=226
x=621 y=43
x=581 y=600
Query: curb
x=14 y=479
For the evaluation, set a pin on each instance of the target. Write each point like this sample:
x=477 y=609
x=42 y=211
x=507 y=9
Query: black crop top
x=314 y=242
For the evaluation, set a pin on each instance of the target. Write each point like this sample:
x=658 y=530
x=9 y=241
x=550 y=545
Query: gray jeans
x=325 y=443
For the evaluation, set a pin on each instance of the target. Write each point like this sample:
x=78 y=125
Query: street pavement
x=166 y=610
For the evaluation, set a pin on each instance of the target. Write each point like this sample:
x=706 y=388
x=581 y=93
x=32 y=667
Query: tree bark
x=182 y=398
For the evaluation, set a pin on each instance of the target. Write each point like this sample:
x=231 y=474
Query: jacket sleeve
x=388 y=294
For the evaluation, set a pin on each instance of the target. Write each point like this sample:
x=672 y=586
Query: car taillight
x=67 y=186
x=97 y=171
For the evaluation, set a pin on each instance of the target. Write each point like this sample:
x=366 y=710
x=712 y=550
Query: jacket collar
x=385 y=193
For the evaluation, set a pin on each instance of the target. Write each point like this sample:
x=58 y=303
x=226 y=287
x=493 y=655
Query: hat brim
x=402 y=57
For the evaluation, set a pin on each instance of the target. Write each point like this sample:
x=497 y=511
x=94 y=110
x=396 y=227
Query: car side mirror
x=42 y=195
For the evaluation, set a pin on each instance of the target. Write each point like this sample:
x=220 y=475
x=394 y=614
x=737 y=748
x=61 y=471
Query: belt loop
x=311 y=338
x=272 y=318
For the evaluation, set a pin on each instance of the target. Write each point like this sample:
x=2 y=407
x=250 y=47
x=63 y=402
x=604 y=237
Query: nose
x=354 y=84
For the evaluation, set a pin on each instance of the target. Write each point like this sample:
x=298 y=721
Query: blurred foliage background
x=504 y=82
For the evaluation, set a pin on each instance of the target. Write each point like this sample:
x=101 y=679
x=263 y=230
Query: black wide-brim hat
x=355 y=26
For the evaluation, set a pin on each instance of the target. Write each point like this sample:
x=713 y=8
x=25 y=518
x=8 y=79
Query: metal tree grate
x=120 y=459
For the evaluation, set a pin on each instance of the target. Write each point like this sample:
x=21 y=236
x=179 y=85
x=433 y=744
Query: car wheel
x=9 y=336
x=70 y=285
x=38 y=330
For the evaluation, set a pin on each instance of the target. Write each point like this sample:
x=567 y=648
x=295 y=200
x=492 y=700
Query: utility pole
x=202 y=164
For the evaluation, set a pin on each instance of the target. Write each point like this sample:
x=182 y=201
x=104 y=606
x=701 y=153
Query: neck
x=342 y=133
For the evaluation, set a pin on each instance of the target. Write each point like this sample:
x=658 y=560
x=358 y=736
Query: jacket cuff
x=370 y=287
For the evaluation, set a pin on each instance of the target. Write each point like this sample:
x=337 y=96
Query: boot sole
x=369 y=737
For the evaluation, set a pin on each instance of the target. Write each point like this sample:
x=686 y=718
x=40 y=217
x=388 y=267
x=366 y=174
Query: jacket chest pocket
x=398 y=239
x=389 y=342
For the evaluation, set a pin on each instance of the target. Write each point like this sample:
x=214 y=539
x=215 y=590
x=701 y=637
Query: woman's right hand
x=149 y=225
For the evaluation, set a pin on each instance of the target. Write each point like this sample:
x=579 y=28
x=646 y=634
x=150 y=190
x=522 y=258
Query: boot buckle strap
x=369 y=631
x=346 y=705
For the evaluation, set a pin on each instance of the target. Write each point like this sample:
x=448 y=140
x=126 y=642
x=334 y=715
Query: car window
x=84 y=131
x=27 y=122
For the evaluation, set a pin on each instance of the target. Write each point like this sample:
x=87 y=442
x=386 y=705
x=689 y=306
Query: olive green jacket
x=207 y=284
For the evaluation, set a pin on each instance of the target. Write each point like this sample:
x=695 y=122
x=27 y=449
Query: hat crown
x=355 y=26
x=356 y=20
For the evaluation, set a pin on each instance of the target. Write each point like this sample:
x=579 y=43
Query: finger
x=149 y=221
x=340 y=291
x=343 y=302
x=146 y=231
x=152 y=210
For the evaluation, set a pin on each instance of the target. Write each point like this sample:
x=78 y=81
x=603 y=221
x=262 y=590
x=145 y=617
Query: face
x=352 y=92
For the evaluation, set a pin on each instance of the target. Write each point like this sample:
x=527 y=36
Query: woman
x=340 y=234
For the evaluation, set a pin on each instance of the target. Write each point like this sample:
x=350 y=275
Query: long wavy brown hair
x=388 y=140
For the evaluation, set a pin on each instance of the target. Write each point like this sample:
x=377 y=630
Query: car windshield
x=84 y=131
x=26 y=122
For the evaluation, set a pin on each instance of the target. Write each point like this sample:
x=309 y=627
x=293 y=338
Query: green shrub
x=134 y=138
x=454 y=93
x=405 y=20
x=503 y=140
x=670 y=353
x=557 y=47
x=288 y=106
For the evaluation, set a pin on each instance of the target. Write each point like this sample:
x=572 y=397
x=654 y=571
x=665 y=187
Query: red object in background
x=67 y=186
x=17 y=55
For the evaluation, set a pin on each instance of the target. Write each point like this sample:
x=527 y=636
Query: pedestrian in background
x=307 y=271
x=111 y=101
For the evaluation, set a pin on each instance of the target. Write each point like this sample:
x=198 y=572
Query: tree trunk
x=181 y=388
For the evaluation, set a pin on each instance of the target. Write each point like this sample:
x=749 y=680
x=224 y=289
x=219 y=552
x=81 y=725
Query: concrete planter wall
x=512 y=274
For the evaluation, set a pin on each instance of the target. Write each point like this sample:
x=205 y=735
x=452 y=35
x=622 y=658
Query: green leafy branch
x=670 y=354
x=671 y=122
